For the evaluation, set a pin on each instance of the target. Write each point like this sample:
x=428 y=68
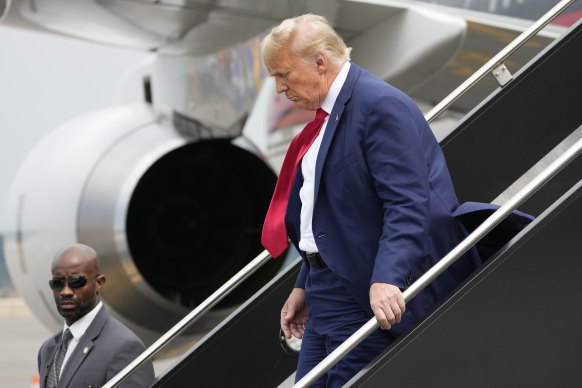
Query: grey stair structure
x=512 y=322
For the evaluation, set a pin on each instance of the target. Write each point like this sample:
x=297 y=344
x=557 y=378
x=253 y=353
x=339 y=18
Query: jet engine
x=171 y=217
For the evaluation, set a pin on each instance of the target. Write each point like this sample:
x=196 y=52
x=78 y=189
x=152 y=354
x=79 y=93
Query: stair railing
x=189 y=319
x=495 y=64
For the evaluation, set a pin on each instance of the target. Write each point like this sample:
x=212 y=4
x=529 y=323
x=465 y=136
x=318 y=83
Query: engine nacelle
x=172 y=218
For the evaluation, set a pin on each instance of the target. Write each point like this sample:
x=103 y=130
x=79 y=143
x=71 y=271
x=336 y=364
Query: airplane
x=172 y=192
x=5 y=283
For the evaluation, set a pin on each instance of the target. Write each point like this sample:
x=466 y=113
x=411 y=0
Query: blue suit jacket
x=383 y=197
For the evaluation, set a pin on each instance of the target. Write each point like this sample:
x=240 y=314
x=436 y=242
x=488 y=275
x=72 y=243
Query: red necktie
x=274 y=237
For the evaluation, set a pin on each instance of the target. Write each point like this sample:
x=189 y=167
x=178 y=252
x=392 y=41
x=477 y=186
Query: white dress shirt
x=77 y=330
x=306 y=194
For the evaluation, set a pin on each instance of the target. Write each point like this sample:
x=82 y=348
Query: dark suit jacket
x=106 y=348
x=383 y=197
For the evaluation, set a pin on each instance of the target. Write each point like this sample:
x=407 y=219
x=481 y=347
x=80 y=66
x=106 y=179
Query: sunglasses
x=78 y=281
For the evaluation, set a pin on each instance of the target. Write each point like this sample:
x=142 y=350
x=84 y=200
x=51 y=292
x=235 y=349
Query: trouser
x=334 y=315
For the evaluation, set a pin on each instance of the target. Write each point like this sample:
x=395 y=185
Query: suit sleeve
x=400 y=174
x=302 y=277
x=39 y=362
x=44 y=361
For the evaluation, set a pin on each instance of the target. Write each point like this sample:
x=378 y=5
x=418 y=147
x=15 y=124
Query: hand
x=387 y=302
x=294 y=314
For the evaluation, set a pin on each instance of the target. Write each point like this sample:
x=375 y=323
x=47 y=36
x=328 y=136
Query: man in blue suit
x=370 y=206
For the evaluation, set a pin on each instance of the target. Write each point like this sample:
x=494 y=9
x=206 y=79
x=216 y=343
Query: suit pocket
x=344 y=162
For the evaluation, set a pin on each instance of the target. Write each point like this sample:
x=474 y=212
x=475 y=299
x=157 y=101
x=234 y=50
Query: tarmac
x=21 y=335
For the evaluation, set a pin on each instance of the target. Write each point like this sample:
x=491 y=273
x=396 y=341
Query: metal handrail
x=446 y=261
x=497 y=59
x=264 y=257
x=179 y=327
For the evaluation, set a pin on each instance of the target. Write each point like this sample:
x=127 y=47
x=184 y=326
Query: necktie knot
x=67 y=335
x=274 y=236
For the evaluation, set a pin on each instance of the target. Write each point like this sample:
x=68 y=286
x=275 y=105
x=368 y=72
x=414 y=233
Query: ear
x=100 y=283
x=321 y=61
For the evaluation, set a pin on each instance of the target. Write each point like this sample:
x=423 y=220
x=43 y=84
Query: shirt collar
x=80 y=327
x=335 y=88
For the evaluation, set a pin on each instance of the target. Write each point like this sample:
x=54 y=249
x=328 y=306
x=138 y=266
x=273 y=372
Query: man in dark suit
x=98 y=346
x=369 y=207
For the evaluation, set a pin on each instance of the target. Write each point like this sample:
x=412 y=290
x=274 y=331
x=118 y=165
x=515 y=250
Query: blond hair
x=308 y=36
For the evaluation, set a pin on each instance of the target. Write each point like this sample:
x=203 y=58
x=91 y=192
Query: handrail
x=446 y=261
x=496 y=60
x=185 y=322
x=262 y=258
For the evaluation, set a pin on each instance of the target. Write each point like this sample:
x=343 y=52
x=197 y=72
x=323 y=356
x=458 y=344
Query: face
x=74 y=303
x=305 y=84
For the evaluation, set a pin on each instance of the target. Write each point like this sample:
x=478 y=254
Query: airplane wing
x=385 y=35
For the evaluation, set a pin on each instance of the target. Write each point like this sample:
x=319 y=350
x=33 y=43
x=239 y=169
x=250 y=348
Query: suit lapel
x=332 y=123
x=84 y=347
